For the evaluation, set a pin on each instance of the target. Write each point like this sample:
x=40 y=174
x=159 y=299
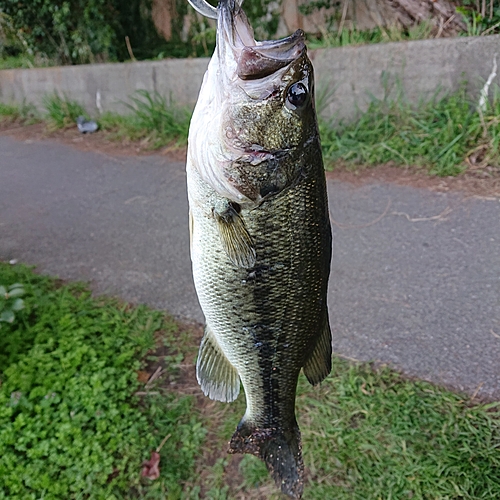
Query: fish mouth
x=250 y=59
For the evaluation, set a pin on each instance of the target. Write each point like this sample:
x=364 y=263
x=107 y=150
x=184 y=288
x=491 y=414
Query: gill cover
x=245 y=83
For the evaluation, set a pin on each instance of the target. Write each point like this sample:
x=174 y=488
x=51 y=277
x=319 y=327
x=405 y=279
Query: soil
x=477 y=181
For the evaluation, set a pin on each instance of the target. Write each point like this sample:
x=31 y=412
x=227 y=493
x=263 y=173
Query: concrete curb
x=352 y=75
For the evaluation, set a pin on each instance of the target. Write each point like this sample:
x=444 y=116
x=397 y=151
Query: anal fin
x=234 y=235
x=319 y=364
x=217 y=377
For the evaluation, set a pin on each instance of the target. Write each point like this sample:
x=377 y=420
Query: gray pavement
x=415 y=274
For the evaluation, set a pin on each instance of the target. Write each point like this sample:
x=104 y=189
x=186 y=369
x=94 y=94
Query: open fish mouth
x=251 y=60
x=254 y=60
x=254 y=105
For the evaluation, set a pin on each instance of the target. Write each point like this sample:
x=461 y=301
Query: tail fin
x=279 y=449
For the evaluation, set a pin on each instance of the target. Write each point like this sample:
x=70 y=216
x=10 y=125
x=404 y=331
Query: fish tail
x=280 y=450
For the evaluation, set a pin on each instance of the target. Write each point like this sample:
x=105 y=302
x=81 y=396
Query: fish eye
x=296 y=96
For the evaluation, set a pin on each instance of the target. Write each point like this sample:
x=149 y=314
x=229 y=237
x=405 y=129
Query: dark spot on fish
x=255 y=273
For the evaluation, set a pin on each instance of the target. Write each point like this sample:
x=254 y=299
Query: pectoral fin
x=234 y=235
x=319 y=364
x=217 y=377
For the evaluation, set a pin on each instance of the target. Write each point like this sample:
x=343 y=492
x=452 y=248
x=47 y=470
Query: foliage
x=134 y=19
x=10 y=302
x=353 y=36
x=24 y=113
x=153 y=120
x=70 y=425
x=264 y=16
x=44 y=32
x=70 y=31
x=62 y=112
x=443 y=135
x=78 y=31
x=481 y=18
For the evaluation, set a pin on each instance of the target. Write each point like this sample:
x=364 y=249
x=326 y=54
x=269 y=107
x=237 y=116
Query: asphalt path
x=415 y=274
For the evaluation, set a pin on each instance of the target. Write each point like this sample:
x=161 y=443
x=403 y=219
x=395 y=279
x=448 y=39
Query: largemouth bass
x=260 y=237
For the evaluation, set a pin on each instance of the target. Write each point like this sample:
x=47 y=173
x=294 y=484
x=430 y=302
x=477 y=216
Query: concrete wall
x=352 y=75
x=111 y=84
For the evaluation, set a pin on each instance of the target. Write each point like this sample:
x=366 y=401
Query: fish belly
x=266 y=319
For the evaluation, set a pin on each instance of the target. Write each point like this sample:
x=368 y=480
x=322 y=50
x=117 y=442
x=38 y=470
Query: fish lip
x=252 y=60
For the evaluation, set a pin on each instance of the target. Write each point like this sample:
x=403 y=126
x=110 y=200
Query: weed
x=161 y=121
x=153 y=120
x=480 y=18
x=371 y=433
x=441 y=136
x=70 y=425
x=353 y=36
x=62 y=112
x=24 y=113
x=10 y=302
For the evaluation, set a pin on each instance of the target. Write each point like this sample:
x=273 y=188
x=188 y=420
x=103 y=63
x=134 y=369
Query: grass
x=443 y=136
x=370 y=433
x=71 y=426
x=353 y=36
x=374 y=434
x=153 y=119
x=61 y=111
x=24 y=113
x=24 y=61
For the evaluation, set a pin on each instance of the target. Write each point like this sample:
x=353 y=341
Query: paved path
x=415 y=274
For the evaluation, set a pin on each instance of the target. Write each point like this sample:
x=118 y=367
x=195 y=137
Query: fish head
x=255 y=115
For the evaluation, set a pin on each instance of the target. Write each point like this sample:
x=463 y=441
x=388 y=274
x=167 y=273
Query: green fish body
x=260 y=237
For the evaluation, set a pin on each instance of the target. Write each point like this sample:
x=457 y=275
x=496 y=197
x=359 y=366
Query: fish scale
x=260 y=239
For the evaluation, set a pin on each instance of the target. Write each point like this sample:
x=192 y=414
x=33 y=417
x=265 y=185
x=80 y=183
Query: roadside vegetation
x=81 y=412
x=476 y=20
x=446 y=136
x=152 y=120
x=49 y=32
x=73 y=420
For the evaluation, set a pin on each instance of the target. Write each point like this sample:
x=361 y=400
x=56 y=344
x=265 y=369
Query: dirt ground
x=477 y=182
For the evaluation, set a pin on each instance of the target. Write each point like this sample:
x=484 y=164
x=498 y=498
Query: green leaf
x=3 y=291
x=7 y=317
x=18 y=305
x=16 y=292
